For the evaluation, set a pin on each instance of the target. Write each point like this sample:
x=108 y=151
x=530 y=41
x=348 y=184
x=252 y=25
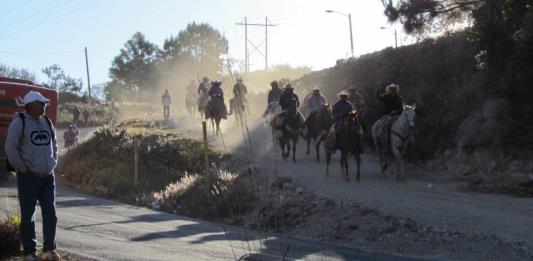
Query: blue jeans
x=30 y=189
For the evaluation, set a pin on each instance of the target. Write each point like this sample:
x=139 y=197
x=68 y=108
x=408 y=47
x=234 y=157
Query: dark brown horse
x=349 y=140
x=318 y=126
x=216 y=112
x=289 y=124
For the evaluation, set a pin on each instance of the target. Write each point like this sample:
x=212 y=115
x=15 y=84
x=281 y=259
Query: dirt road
x=440 y=205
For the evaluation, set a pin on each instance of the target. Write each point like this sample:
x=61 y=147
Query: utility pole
x=247 y=54
x=266 y=43
x=246 y=66
x=351 y=36
x=395 y=39
x=88 y=78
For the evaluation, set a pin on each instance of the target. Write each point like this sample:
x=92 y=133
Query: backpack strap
x=22 y=118
x=52 y=130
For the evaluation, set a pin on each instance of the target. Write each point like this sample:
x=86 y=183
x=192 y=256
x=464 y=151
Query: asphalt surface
x=108 y=230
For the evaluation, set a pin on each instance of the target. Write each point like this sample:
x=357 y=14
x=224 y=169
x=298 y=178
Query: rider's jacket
x=203 y=88
x=315 y=102
x=287 y=99
x=340 y=109
x=240 y=90
x=274 y=94
x=392 y=102
x=215 y=91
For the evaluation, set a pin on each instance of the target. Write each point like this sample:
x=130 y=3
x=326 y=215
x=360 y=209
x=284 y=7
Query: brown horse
x=216 y=112
x=317 y=128
x=349 y=140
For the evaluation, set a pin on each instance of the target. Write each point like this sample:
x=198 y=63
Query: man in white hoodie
x=31 y=149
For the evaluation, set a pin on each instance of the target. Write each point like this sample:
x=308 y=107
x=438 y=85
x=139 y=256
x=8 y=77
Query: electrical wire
x=47 y=20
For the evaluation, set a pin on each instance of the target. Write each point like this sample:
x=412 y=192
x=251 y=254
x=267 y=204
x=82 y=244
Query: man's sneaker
x=31 y=257
x=50 y=255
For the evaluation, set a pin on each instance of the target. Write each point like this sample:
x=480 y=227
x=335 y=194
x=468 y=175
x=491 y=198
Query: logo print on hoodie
x=40 y=138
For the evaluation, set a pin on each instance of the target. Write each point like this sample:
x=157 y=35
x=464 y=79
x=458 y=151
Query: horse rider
x=191 y=87
x=357 y=100
x=341 y=108
x=393 y=106
x=289 y=100
x=216 y=94
x=314 y=103
x=273 y=98
x=275 y=92
x=240 y=90
x=204 y=86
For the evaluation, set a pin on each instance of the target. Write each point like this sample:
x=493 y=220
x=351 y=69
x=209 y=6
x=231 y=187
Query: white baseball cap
x=34 y=96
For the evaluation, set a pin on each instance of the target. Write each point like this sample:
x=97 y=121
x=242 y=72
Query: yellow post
x=135 y=163
x=206 y=150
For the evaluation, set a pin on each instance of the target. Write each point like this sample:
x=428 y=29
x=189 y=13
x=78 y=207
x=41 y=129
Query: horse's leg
x=294 y=149
x=343 y=162
x=328 y=159
x=308 y=145
x=399 y=162
x=357 y=157
x=281 y=147
x=317 y=147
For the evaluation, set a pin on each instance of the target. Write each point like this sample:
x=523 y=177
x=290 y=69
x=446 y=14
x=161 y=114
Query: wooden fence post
x=135 y=162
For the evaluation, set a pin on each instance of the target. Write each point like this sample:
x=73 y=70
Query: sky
x=38 y=33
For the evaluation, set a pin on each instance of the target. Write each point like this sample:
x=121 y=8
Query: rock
x=299 y=190
x=288 y=186
x=484 y=126
x=278 y=182
x=329 y=203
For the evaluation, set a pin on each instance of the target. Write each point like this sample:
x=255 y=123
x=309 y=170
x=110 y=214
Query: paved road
x=108 y=230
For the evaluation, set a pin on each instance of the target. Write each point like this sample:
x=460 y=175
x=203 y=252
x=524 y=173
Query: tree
x=57 y=79
x=199 y=47
x=494 y=24
x=18 y=73
x=132 y=68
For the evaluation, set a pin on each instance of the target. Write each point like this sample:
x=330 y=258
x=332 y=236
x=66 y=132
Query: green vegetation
x=10 y=236
x=440 y=76
x=104 y=165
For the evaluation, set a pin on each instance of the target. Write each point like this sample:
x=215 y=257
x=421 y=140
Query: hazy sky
x=38 y=33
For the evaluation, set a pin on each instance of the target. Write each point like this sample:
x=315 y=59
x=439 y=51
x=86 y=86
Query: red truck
x=12 y=92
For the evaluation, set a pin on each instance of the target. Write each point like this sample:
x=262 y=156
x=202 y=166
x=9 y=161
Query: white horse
x=401 y=135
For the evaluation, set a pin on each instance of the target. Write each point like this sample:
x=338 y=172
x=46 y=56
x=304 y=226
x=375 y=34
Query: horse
x=317 y=128
x=272 y=110
x=401 y=135
x=289 y=124
x=202 y=104
x=216 y=113
x=237 y=107
x=349 y=140
x=191 y=100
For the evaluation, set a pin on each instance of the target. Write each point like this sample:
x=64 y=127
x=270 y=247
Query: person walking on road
x=166 y=100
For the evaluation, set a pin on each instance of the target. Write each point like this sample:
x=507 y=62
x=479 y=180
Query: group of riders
x=210 y=102
x=209 y=97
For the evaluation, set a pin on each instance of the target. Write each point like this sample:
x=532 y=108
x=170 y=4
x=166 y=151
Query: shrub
x=223 y=196
x=10 y=236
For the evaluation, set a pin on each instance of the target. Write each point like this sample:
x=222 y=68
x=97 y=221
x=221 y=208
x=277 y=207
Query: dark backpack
x=22 y=118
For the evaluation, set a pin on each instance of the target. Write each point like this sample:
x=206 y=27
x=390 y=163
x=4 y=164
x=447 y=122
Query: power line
x=41 y=53
x=16 y=7
x=34 y=15
x=46 y=21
